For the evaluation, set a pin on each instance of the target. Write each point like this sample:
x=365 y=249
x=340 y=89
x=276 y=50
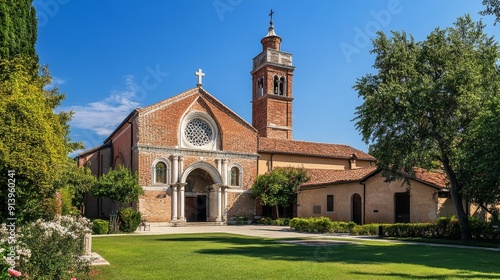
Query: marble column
x=182 y=202
x=174 y=203
x=181 y=165
x=175 y=169
x=224 y=206
x=224 y=172
x=219 y=203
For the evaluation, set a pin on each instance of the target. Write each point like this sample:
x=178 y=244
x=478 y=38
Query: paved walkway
x=270 y=232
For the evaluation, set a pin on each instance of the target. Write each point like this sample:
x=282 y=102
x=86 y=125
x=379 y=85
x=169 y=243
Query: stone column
x=224 y=172
x=175 y=169
x=219 y=203
x=174 y=203
x=224 y=206
x=181 y=165
x=87 y=242
x=219 y=165
x=182 y=202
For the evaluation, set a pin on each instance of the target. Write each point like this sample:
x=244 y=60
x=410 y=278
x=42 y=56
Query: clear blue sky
x=110 y=57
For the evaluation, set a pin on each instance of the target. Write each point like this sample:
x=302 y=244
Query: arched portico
x=199 y=195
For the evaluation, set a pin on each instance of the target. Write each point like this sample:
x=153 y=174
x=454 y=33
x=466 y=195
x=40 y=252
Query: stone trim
x=194 y=152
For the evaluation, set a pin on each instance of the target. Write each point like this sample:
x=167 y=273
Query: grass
x=227 y=256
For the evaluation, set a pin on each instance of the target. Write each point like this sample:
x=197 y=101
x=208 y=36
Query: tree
x=279 y=187
x=492 y=8
x=33 y=143
x=480 y=161
x=74 y=184
x=419 y=106
x=18 y=29
x=35 y=140
x=119 y=185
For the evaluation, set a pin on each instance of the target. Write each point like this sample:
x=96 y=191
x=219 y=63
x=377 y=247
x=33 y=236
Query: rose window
x=198 y=132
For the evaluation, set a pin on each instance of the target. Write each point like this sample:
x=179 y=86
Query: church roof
x=285 y=146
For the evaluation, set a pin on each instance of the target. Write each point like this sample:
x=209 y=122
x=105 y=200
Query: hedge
x=444 y=228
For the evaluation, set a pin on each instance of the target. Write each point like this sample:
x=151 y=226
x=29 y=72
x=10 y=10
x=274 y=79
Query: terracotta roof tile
x=433 y=177
x=329 y=176
x=310 y=148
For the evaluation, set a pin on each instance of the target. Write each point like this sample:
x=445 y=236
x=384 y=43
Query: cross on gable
x=200 y=74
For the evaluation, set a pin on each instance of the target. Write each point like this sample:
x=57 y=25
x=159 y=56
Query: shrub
x=367 y=229
x=129 y=219
x=100 y=226
x=56 y=249
x=448 y=227
x=281 y=222
x=265 y=221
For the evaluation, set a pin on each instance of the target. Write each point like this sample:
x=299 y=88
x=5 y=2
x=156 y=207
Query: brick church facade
x=197 y=159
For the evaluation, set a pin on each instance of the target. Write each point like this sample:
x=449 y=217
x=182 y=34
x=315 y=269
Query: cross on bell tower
x=272 y=74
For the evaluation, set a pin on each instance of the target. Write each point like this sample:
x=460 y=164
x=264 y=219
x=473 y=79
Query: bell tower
x=272 y=73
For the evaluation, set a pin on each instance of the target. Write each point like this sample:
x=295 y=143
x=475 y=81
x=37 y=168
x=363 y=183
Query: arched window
x=235 y=176
x=160 y=173
x=282 y=86
x=260 y=87
x=276 y=87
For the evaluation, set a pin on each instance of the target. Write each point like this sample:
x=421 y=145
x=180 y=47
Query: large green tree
x=18 y=31
x=279 y=186
x=480 y=160
x=34 y=139
x=420 y=103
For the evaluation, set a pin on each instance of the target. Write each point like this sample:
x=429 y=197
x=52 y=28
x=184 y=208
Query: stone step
x=199 y=224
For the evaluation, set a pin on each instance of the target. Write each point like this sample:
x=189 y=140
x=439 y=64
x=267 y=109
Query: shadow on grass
x=463 y=260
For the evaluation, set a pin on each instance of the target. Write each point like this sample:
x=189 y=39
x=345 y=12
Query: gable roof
x=194 y=91
x=285 y=146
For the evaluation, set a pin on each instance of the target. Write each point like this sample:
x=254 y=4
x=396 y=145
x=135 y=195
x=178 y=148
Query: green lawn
x=227 y=256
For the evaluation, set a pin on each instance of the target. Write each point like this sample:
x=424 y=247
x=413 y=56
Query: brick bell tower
x=272 y=73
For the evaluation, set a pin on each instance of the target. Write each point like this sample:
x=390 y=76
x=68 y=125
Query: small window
x=161 y=173
x=260 y=87
x=282 y=86
x=276 y=87
x=317 y=209
x=329 y=203
x=235 y=176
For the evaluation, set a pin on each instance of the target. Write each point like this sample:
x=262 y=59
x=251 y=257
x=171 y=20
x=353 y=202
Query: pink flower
x=13 y=272
x=73 y=278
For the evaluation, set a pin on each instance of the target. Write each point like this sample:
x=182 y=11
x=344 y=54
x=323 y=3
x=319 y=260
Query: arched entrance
x=199 y=196
x=198 y=186
x=356 y=209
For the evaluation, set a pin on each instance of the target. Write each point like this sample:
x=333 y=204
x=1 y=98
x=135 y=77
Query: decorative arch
x=118 y=160
x=155 y=165
x=216 y=176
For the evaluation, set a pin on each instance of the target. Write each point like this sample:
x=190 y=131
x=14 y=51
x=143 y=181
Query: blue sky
x=110 y=57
